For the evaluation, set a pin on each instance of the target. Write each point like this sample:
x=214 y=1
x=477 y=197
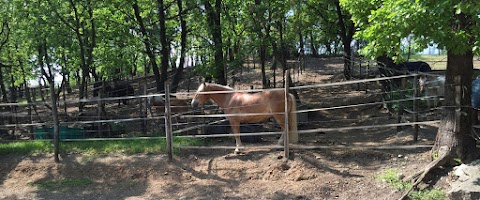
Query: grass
x=439 y=62
x=392 y=178
x=25 y=147
x=436 y=62
x=94 y=147
x=61 y=184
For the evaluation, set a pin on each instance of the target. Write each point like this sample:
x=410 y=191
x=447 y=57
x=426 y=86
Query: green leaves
x=386 y=22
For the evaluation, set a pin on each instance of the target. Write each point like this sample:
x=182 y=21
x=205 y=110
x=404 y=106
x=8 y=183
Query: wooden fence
x=185 y=128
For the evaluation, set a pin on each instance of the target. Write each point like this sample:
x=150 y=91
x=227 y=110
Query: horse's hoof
x=238 y=152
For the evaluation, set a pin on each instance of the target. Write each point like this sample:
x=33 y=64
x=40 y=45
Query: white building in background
x=432 y=50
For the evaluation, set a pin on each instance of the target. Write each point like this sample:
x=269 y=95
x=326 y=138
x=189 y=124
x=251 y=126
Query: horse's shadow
x=314 y=162
x=198 y=174
x=249 y=156
x=259 y=154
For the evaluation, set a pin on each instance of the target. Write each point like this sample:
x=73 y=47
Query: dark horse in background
x=113 y=89
x=418 y=66
x=391 y=69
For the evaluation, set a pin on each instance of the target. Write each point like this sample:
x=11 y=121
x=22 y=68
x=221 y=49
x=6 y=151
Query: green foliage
x=105 y=35
x=433 y=194
x=458 y=161
x=94 y=147
x=391 y=177
x=385 y=23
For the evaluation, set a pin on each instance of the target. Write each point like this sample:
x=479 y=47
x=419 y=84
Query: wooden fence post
x=286 y=148
x=359 y=72
x=144 y=106
x=56 y=130
x=401 y=107
x=168 y=124
x=415 y=106
x=368 y=75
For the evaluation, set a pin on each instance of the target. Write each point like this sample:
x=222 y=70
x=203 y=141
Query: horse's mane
x=218 y=86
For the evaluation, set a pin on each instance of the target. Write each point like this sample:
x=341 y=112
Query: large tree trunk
x=454 y=139
x=455 y=132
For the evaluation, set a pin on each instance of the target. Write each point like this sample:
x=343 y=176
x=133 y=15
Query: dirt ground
x=254 y=174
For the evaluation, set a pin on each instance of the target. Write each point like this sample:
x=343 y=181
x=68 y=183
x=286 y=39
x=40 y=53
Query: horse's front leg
x=236 y=130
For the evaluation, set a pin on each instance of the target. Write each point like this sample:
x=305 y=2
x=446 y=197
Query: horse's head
x=422 y=83
x=200 y=99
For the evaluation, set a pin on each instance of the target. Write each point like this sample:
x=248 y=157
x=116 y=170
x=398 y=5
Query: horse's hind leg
x=281 y=121
x=236 y=130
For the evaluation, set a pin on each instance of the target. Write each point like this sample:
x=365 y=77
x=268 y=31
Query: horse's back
x=415 y=66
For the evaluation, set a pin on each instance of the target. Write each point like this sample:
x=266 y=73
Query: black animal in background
x=419 y=66
x=114 y=89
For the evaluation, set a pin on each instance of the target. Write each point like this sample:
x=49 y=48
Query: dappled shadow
x=8 y=164
x=85 y=178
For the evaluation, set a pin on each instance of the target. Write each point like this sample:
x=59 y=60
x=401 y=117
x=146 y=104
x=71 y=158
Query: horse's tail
x=292 y=121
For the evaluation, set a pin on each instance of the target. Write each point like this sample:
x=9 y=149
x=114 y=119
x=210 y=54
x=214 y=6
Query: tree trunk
x=148 y=46
x=262 y=47
x=346 y=36
x=164 y=51
x=27 y=96
x=312 y=45
x=213 y=18
x=455 y=133
x=13 y=99
x=454 y=139
x=263 y=54
x=301 y=40
x=2 y=84
x=183 y=48
x=86 y=37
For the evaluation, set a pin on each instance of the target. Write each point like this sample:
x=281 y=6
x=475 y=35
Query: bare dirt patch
x=256 y=174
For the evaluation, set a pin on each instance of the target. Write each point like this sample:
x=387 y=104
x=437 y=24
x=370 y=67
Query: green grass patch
x=61 y=184
x=392 y=178
x=436 y=62
x=96 y=147
x=431 y=194
x=26 y=147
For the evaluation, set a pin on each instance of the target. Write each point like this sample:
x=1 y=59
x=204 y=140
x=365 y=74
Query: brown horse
x=250 y=108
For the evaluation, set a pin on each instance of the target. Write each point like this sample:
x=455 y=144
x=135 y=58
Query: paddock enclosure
x=321 y=91
x=349 y=130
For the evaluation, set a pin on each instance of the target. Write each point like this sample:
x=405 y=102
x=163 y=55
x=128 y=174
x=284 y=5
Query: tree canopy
x=453 y=25
x=92 y=41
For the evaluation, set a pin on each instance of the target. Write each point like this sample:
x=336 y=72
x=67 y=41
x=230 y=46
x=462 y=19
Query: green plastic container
x=64 y=132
